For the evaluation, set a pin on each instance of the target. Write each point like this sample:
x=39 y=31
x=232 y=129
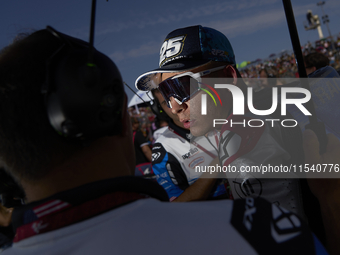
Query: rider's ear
x=230 y=72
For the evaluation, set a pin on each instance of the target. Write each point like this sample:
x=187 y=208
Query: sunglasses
x=183 y=86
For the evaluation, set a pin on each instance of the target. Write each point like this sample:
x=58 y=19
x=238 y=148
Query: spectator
x=269 y=77
x=315 y=61
x=142 y=149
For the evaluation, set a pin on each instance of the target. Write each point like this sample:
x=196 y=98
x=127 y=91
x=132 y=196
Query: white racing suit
x=174 y=160
x=257 y=157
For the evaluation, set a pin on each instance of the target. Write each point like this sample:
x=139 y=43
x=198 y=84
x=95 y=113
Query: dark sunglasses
x=183 y=86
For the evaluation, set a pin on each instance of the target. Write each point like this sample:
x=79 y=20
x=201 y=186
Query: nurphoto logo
x=239 y=104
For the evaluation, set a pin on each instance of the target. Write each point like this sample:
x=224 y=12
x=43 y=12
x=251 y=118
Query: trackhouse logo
x=239 y=104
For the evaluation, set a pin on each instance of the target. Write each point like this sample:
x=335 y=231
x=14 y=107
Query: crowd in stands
x=146 y=118
x=283 y=65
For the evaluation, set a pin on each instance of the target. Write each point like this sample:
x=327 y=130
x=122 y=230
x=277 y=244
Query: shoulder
x=171 y=139
x=161 y=130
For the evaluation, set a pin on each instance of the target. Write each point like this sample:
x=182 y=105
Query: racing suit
x=176 y=156
x=175 y=160
x=251 y=150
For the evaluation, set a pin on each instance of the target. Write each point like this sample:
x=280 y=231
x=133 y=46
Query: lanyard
x=56 y=214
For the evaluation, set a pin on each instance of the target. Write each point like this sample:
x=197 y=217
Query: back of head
x=317 y=60
x=47 y=108
x=135 y=123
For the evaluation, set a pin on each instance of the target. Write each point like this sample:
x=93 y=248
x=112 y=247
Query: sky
x=131 y=32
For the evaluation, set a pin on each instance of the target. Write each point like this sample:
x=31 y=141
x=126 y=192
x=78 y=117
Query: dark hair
x=240 y=82
x=153 y=92
x=29 y=145
x=134 y=120
x=271 y=73
x=316 y=59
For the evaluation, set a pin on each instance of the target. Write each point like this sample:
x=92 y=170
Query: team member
x=315 y=61
x=199 y=53
x=80 y=197
x=325 y=189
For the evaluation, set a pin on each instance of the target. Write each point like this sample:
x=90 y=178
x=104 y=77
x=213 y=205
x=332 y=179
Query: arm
x=326 y=190
x=147 y=152
x=173 y=179
x=200 y=189
x=168 y=171
x=143 y=143
x=5 y=216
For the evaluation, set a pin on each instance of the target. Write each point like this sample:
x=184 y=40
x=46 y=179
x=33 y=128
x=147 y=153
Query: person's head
x=268 y=76
x=194 y=52
x=135 y=123
x=315 y=61
x=37 y=112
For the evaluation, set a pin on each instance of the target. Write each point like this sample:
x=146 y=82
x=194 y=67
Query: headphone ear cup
x=154 y=107
x=157 y=109
x=84 y=100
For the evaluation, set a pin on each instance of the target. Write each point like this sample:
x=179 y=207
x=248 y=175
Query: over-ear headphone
x=157 y=109
x=84 y=91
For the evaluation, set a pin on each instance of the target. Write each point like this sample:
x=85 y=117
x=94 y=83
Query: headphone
x=157 y=109
x=83 y=92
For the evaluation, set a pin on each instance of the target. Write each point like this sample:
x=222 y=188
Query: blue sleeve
x=168 y=171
